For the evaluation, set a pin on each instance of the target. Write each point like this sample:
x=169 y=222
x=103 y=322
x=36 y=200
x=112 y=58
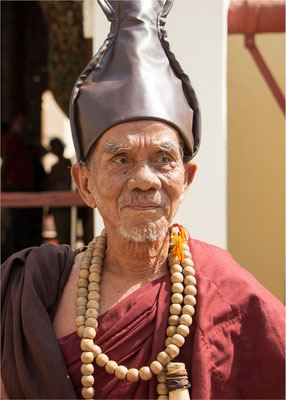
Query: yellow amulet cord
x=179 y=236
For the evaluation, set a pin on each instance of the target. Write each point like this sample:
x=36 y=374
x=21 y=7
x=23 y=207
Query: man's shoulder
x=36 y=275
x=46 y=263
x=45 y=253
x=216 y=262
x=216 y=269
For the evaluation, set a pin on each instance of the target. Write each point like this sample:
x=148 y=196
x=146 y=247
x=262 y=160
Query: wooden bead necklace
x=180 y=319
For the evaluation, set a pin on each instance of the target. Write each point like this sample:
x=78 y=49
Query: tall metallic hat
x=133 y=76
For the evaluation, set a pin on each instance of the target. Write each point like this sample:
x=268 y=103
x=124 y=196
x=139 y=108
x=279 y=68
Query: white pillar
x=197 y=32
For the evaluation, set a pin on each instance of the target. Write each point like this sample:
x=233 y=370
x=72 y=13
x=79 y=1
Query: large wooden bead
x=145 y=373
x=188 y=309
x=99 y=252
x=163 y=397
x=187 y=262
x=86 y=344
x=96 y=260
x=94 y=286
x=82 y=283
x=171 y=330
x=96 y=350
x=88 y=392
x=168 y=341
x=89 y=332
x=95 y=268
x=132 y=375
x=183 y=330
x=177 y=277
x=186 y=246
x=121 y=372
x=186 y=319
x=87 y=357
x=163 y=357
x=82 y=292
x=87 y=369
x=84 y=265
x=80 y=320
x=156 y=367
x=177 y=288
x=172 y=350
x=178 y=340
x=81 y=310
x=92 y=243
x=81 y=301
x=80 y=331
x=89 y=252
x=91 y=313
x=177 y=298
x=189 y=271
x=89 y=249
x=176 y=268
x=162 y=388
x=187 y=254
x=93 y=295
x=91 y=322
x=101 y=244
x=101 y=360
x=83 y=273
x=175 y=309
x=87 y=380
x=110 y=366
x=189 y=299
x=174 y=320
x=161 y=378
x=191 y=289
x=87 y=257
x=189 y=280
x=95 y=277
x=93 y=304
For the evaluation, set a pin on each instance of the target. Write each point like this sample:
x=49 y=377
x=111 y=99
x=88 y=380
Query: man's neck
x=129 y=265
x=138 y=261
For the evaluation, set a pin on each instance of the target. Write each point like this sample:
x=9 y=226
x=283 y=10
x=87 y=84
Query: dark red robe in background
x=235 y=349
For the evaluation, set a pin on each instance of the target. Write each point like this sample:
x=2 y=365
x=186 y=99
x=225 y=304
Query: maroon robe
x=235 y=349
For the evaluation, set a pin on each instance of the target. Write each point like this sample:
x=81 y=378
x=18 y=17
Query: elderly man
x=117 y=319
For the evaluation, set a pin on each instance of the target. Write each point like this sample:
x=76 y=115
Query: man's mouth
x=143 y=206
x=143 y=202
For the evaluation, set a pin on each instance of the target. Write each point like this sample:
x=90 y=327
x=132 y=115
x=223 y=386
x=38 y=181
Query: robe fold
x=235 y=349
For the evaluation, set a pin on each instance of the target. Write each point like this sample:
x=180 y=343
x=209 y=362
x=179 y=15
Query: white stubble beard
x=141 y=233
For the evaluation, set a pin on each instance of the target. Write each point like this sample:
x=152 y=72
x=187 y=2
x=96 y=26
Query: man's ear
x=81 y=177
x=190 y=171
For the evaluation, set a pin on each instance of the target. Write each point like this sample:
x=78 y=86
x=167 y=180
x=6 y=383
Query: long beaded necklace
x=180 y=319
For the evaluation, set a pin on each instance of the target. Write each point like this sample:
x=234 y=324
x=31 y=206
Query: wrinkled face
x=137 y=178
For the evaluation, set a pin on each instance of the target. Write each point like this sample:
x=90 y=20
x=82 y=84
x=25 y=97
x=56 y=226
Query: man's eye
x=164 y=159
x=120 y=160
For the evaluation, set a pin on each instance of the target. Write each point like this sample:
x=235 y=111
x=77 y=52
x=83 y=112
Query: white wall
x=197 y=31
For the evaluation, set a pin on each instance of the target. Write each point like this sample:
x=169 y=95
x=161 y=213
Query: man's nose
x=144 y=178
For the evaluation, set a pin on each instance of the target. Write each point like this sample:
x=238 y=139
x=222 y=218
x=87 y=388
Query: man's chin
x=143 y=232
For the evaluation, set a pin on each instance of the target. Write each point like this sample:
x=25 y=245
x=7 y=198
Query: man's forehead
x=139 y=132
